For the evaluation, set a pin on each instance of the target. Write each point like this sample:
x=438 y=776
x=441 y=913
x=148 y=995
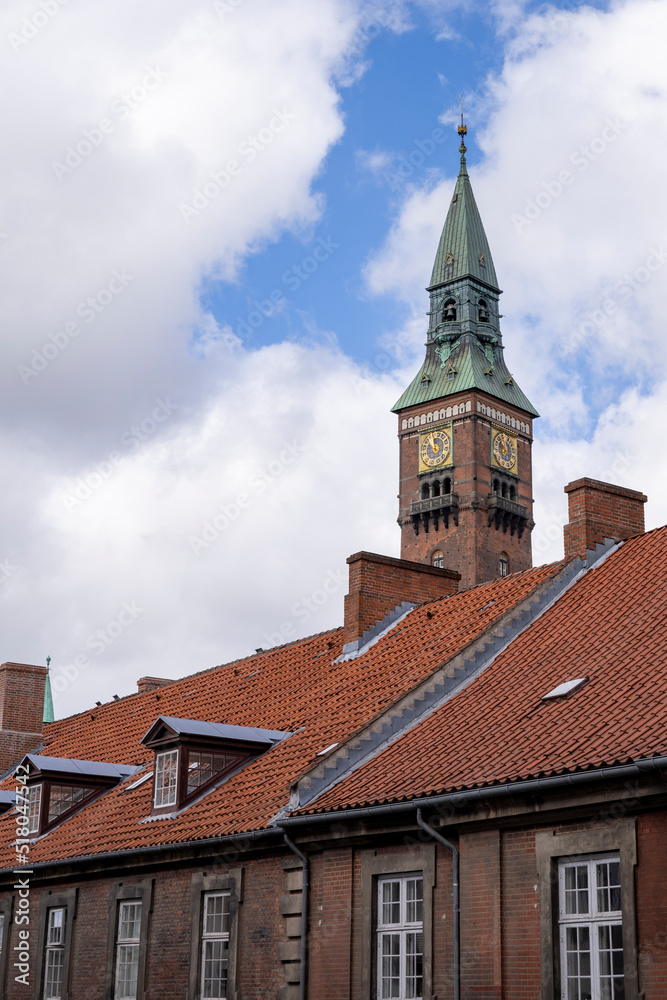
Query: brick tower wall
x=473 y=548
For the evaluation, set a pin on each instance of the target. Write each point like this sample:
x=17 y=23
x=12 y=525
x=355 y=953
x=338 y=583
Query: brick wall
x=330 y=939
x=21 y=711
x=481 y=950
x=598 y=511
x=377 y=584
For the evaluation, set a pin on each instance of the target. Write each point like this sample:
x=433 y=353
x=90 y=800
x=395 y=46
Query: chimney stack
x=379 y=585
x=598 y=511
x=21 y=711
x=145 y=684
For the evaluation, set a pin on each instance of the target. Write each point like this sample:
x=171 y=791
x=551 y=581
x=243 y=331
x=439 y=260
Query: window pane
x=414 y=895
x=62 y=798
x=129 y=925
x=391 y=965
x=216 y=914
x=55 y=928
x=391 y=902
x=578 y=963
x=166 y=774
x=34 y=799
x=609 y=886
x=53 y=975
x=127 y=971
x=214 y=968
x=610 y=943
x=576 y=889
x=414 y=950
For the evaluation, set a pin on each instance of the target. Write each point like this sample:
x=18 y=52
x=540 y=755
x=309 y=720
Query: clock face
x=504 y=451
x=435 y=449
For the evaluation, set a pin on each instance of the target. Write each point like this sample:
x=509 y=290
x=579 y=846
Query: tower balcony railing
x=434 y=503
x=434 y=510
x=507 y=514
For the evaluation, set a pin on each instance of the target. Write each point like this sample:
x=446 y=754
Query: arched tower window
x=482 y=311
x=449 y=311
x=425 y=492
x=512 y=493
x=438 y=559
x=504 y=492
x=495 y=486
x=503 y=564
x=447 y=486
x=436 y=489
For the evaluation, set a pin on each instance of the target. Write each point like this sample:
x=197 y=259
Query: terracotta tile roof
x=610 y=627
x=297 y=687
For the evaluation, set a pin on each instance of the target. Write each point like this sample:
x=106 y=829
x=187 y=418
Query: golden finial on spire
x=462 y=131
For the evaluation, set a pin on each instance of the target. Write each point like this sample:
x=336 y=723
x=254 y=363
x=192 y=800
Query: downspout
x=455 y=898
x=303 y=978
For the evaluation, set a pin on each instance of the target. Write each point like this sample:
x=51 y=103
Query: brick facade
x=598 y=511
x=472 y=547
x=21 y=710
x=378 y=584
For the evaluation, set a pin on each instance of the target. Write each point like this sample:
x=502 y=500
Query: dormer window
x=57 y=787
x=193 y=756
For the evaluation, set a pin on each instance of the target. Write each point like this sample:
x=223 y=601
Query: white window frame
x=165 y=794
x=403 y=930
x=34 y=807
x=54 y=952
x=209 y=938
x=590 y=920
x=127 y=942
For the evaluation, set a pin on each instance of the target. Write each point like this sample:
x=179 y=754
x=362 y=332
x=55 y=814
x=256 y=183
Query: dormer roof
x=83 y=769
x=169 y=727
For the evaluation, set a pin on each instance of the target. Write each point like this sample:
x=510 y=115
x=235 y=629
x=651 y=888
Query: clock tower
x=465 y=427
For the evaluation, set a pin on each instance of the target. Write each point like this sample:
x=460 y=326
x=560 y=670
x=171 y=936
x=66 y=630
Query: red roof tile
x=611 y=627
x=297 y=687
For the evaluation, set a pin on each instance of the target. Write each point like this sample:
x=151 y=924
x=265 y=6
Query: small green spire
x=49 y=714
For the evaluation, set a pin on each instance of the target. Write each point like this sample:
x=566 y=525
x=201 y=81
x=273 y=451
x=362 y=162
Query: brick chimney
x=380 y=584
x=21 y=711
x=152 y=683
x=598 y=511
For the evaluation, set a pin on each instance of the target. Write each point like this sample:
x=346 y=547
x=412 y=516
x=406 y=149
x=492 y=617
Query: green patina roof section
x=463 y=236
x=470 y=363
x=49 y=715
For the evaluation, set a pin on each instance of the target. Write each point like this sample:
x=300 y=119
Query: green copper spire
x=463 y=249
x=49 y=715
x=464 y=344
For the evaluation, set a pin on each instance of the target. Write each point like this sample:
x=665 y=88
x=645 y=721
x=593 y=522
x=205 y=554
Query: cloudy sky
x=217 y=221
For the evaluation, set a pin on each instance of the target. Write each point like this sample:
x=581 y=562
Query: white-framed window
x=503 y=564
x=400 y=937
x=591 y=929
x=166 y=778
x=54 y=958
x=34 y=803
x=128 y=941
x=438 y=559
x=215 y=944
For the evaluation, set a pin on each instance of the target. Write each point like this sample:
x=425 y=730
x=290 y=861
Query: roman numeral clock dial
x=435 y=449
